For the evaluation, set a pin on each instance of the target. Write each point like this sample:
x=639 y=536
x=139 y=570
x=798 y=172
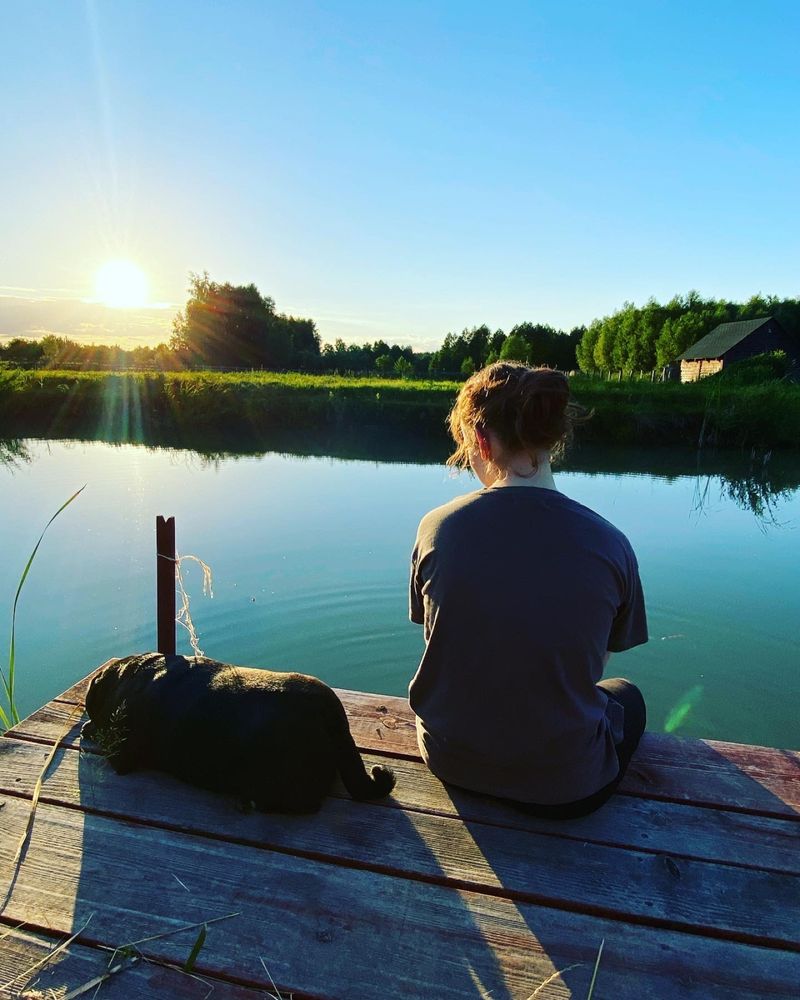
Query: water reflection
x=758 y=481
x=761 y=490
x=14 y=453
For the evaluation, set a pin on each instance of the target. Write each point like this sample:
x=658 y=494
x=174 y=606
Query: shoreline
x=177 y=408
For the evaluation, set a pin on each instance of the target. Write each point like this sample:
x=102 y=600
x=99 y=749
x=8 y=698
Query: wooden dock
x=690 y=876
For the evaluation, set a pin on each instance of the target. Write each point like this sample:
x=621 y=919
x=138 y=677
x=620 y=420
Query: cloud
x=85 y=322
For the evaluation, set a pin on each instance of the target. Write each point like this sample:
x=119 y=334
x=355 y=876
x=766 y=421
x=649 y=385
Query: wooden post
x=165 y=584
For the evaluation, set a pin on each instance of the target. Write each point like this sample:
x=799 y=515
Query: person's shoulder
x=600 y=524
x=446 y=512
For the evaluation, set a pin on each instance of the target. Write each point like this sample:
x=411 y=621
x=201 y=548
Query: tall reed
x=9 y=716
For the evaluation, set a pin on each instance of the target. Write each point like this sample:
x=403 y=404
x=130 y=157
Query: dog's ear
x=98 y=690
x=100 y=695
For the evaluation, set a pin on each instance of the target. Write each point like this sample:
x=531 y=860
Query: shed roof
x=722 y=338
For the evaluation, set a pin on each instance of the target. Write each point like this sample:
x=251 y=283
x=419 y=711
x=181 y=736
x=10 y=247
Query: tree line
x=235 y=326
x=652 y=336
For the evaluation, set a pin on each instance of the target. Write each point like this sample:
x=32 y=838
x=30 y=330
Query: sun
x=121 y=285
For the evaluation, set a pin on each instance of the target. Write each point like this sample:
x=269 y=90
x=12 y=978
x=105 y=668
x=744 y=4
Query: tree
x=380 y=347
x=567 y=357
x=585 y=351
x=495 y=345
x=304 y=340
x=515 y=348
x=230 y=325
x=58 y=350
x=19 y=351
x=383 y=364
x=467 y=366
x=403 y=367
x=678 y=334
x=541 y=341
x=476 y=344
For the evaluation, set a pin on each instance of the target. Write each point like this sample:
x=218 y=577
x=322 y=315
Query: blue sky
x=396 y=170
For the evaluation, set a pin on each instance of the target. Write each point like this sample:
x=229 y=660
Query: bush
x=754 y=371
x=182 y=408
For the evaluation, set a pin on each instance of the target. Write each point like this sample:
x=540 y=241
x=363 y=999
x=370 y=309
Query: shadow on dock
x=688 y=877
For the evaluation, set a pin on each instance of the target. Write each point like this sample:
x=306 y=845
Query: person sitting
x=523 y=594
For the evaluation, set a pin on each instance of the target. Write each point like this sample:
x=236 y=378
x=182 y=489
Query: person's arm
x=629 y=628
x=416 y=611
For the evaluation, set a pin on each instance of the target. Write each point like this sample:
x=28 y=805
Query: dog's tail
x=360 y=783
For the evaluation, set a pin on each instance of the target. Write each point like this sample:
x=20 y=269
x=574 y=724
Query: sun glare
x=121 y=285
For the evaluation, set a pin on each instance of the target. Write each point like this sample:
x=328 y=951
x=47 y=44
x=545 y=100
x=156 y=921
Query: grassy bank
x=181 y=407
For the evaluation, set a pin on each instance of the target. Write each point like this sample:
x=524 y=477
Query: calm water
x=310 y=562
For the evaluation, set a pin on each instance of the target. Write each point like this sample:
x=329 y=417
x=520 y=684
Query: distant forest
x=236 y=327
x=642 y=339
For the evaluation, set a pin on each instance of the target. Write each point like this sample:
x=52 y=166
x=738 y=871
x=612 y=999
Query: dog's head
x=118 y=681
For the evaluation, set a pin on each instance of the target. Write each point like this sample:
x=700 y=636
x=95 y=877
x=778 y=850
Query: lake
x=309 y=554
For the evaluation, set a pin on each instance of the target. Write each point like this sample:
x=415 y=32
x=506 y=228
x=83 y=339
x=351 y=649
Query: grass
x=569 y=968
x=9 y=715
x=129 y=954
x=148 y=407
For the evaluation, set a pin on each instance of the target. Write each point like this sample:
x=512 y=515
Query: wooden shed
x=731 y=342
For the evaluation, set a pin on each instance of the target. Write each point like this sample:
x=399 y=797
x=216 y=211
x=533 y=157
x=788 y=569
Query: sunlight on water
x=310 y=561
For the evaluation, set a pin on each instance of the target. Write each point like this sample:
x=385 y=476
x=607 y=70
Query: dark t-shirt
x=521 y=592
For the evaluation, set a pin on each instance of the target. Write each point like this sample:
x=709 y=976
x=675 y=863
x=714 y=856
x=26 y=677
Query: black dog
x=274 y=739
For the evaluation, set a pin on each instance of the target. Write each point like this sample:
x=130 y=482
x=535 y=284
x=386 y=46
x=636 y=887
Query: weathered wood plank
x=48 y=724
x=722 y=775
x=343 y=933
x=592 y=878
x=761 y=779
x=626 y=822
x=77 y=965
x=721 y=784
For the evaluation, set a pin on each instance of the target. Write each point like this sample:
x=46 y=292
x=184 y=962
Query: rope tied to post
x=183 y=615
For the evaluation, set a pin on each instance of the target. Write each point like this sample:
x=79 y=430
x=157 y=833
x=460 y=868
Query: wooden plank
x=727 y=776
x=386 y=725
x=49 y=723
x=627 y=822
x=743 y=903
x=77 y=965
x=344 y=933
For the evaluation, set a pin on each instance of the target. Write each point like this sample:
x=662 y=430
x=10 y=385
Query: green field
x=184 y=407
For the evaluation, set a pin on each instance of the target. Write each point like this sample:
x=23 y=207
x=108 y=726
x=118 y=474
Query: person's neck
x=542 y=477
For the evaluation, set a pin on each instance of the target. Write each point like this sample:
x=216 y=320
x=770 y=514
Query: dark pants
x=630 y=697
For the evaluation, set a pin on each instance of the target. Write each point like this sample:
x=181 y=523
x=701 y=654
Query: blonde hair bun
x=529 y=409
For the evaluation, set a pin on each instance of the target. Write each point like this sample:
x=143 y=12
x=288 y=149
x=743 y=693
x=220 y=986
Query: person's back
x=522 y=593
